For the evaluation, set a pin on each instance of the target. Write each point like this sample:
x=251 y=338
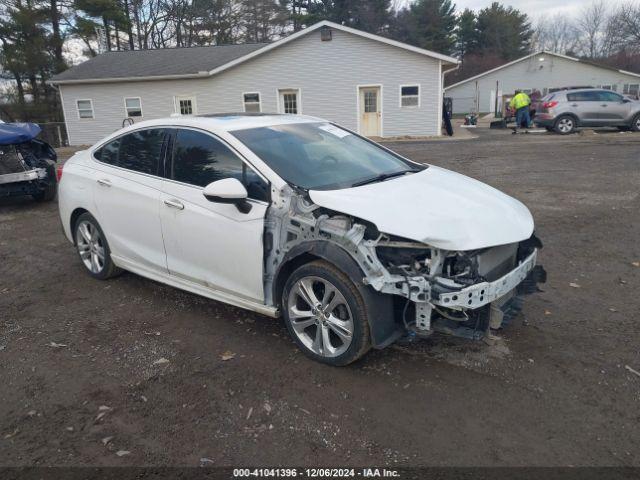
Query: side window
x=109 y=152
x=584 y=97
x=610 y=97
x=140 y=151
x=199 y=159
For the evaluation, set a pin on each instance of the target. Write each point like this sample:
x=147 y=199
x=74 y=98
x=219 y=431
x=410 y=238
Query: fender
x=380 y=312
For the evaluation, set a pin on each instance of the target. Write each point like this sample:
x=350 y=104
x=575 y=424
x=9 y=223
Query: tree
x=556 y=34
x=428 y=24
x=591 y=23
x=504 y=31
x=466 y=34
x=262 y=20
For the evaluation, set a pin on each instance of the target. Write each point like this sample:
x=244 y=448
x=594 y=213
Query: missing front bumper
x=482 y=294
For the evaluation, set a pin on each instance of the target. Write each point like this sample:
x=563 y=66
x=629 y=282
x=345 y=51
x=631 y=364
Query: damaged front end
x=462 y=293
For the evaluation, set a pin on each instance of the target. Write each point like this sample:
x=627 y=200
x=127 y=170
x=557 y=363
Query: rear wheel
x=635 y=123
x=325 y=314
x=565 y=124
x=93 y=248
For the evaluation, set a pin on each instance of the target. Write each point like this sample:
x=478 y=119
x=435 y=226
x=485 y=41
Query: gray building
x=370 y=84
x=542 y=71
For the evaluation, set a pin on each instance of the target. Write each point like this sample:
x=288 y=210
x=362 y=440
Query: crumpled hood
x=435 y=206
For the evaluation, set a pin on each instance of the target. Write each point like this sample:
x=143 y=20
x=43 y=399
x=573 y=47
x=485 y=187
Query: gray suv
x=566 y=110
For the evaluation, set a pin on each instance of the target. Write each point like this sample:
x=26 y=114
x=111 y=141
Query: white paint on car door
x=370 y=111
x=210 y=243
x=127 y=197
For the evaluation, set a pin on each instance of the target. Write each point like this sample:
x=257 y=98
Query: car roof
x=227 y=122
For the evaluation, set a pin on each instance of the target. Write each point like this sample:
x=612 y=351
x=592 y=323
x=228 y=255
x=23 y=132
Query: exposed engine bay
x=462 y=293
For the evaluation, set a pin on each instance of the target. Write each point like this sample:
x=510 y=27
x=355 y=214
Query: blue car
x=27 y=164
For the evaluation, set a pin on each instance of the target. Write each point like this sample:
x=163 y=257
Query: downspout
x=442 y=78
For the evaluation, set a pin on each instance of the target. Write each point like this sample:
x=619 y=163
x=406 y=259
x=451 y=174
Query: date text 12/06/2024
x=315 y=473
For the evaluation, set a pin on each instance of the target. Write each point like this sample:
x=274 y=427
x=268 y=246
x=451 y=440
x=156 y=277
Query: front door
x=370 y=111
x=213 y=244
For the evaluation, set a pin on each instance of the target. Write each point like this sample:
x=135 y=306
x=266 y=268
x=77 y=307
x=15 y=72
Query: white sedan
x=281 y=214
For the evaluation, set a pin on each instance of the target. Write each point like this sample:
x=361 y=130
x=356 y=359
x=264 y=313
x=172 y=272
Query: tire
x=93 y=249
x=336 y=334
x=50 y=189
x=565 y=124
x=635 y=123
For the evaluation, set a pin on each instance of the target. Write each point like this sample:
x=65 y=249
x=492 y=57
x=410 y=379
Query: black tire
x=565 y=124
x=635 y=123
x=108 y=269
x=360 y=338
x=50 y=187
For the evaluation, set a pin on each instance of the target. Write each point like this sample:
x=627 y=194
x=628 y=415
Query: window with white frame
x=251 y=102
x=410 y=96
x=85 y=108
x=133 y=106
x=606 y=87
x=289 y=101
x=631 y=89
x=186 y=105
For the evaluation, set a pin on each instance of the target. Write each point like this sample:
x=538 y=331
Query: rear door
x=127 y=196
x=213 y=244
x=586 y=106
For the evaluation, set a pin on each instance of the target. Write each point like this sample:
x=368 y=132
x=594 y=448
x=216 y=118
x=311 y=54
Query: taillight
x=59 y=172
x=549 y=104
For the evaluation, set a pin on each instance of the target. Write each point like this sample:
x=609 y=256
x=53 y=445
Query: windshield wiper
x=383 y=176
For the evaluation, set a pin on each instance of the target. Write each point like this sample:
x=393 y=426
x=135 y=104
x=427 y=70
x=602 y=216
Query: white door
x=213 y=244
x=127 y=197
x=370 y=111
x=289 y=101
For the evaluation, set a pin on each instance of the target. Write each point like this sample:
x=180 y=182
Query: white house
x=542 y=71
x=370 y=84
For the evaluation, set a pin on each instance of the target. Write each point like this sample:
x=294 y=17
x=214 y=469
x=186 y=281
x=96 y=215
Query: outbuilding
x=367 y=83
x=540 y=71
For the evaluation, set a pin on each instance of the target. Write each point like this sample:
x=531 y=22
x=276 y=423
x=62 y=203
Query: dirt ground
x=92 y=369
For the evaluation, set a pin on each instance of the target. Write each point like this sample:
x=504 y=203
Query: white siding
x=327 y=74
x=553 y=72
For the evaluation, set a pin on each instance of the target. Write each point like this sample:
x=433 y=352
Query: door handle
x=173 y=203
x=104 y=182
x=574 y=104
x=604 y=105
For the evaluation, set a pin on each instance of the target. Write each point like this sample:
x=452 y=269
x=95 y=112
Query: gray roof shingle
x=154 y=63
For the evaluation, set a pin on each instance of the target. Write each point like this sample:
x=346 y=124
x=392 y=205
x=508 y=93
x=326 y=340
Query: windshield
x=322 y=156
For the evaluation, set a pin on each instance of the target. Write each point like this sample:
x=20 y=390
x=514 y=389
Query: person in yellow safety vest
x=520 y=103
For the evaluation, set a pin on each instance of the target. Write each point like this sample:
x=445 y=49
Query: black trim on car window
x=246 y=166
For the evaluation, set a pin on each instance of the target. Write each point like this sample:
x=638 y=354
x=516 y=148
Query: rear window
x=583 y=97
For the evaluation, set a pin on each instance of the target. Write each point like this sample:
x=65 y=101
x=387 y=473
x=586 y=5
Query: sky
x=535 y=8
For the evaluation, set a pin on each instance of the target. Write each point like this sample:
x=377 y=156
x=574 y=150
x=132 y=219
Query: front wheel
x=93 y=248
x=50 y=187
x=325 y=314
x=635 y=123
x=565 y=124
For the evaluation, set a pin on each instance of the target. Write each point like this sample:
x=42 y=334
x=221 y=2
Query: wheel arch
x=567 y=114
x=382 y=322
x=75 y=214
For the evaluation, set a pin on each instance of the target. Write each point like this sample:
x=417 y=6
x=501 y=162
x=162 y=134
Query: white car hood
x=435 y=206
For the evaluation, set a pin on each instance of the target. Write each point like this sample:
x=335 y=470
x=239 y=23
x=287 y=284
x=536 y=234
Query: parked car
x=27 y=164
x=565 y=111
x=282 y=214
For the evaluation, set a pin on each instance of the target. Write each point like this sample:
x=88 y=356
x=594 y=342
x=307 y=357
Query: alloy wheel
x=320 y=316
x=565 y=125
x=90 y=246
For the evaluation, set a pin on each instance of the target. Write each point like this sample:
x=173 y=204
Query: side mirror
x=228 y=190
x=625 y=100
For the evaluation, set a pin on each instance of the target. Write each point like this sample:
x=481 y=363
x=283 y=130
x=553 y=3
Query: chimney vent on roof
x=325 y=34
